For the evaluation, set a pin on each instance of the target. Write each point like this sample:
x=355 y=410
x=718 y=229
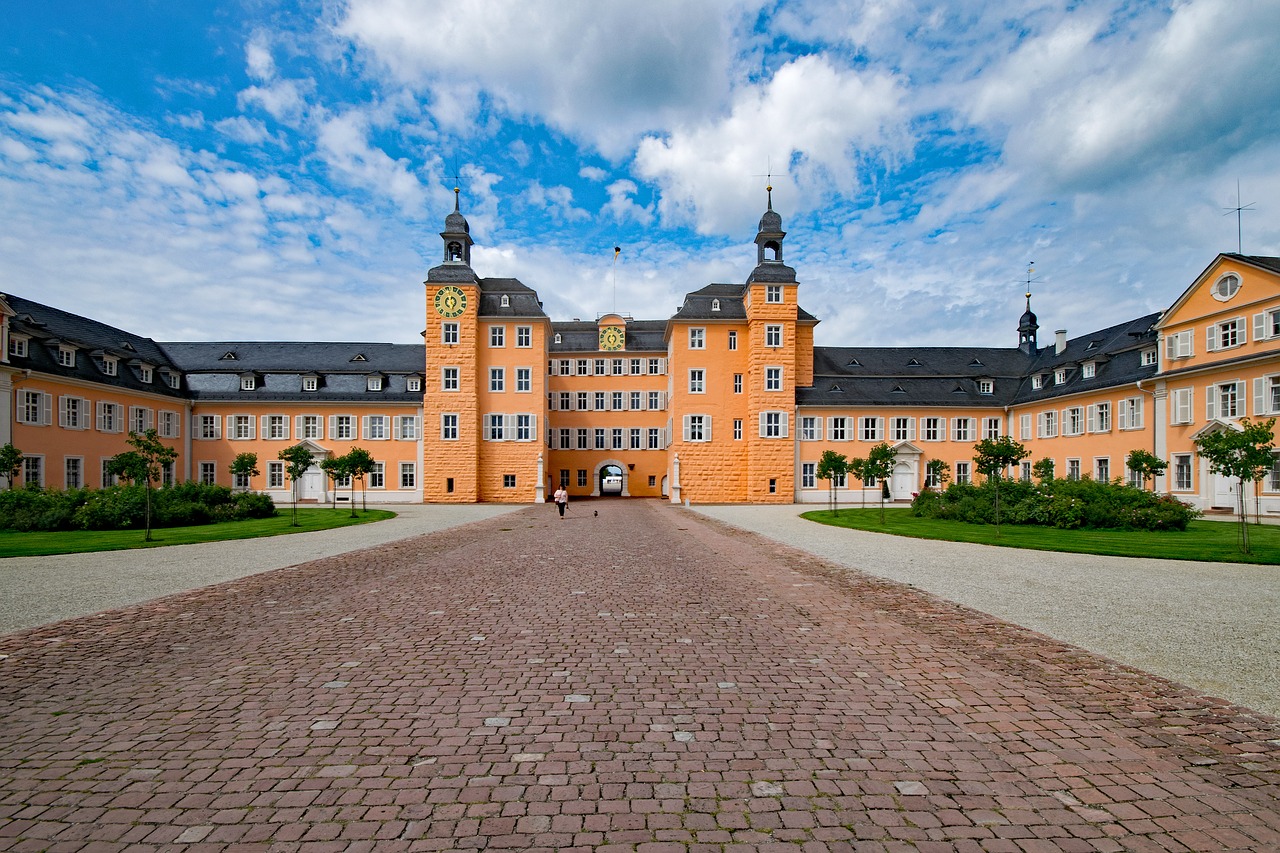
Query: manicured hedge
x=124 y=507
x=1068 y=504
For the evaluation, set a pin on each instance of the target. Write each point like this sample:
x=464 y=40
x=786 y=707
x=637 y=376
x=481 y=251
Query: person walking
x=561 y=497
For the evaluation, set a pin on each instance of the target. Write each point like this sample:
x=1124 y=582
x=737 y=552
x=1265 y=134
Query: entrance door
x=903 y=482
x=1225 y=491
x=313 y=485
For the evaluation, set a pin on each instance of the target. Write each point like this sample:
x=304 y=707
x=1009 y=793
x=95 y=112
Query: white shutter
x=333 y=425
x=706 y=428
x=911 y=429
x=1170 y=346
x=879 y=427
x=1123 y=420
x=284 y=425
x=46 y=409
x=1260 y=326
x=62 y=412
x=509 y=427
x=1244 y=329
x=1242 y=389
x=1209 y=338
x=297 y=425
x=364 y=427
x=86 y=414
x=685 y=422
x=786 y=424
x=761 y=416
x=1210 y=403
x=1091 y=417
x=1137 y=420
x=1260 y=396
x=262 y=426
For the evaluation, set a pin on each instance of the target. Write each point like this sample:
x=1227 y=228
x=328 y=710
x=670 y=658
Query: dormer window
x=985 y=386
x=1088 y=370
x=174 y=380
x=1060 y=376
x=18 y=346
x=506 y=301
x=109 y=366
x=310 y=383
x=1037 y=381
x=413 y=383
x=66 y=357
x=558 y=338
x=1148 y=357
x=374 y=383
x=715 y=304
x=145 y=374
x=248 y=382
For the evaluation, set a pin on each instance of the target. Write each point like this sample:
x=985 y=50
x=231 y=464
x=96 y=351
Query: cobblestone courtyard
x=648 y=679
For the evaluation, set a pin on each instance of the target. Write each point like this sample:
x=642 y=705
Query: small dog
x=596 y=513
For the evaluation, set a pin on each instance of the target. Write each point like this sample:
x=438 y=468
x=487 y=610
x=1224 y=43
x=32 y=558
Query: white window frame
x=810 y=428
x=1179 y=465
x=524 y=380
x=497 y=380
x=448 y=426
x=1180 y=344
x=35 y=408
x=773 y=294
x=775 y=424
x=1181 y=405
x=497 y=337
x=524 y=337
x=697 y=380
x=773 y=335
x=773 y=379
x=408 y=475
x=1131 y=415
x=697 y=337
x=696 y=429
x=449 y=334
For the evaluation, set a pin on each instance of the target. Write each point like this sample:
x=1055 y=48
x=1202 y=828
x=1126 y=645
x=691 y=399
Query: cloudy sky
x=280 y=169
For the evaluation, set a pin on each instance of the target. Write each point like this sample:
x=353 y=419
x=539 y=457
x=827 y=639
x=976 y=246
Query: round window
x=1226 y=287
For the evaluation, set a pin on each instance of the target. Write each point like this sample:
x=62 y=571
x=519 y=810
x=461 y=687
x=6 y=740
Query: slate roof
x=523 y=300
x=913 y=376
x=1116 y=352
x=697 y=305
x=647 y=336
x=1264 y=261
x=46 y=327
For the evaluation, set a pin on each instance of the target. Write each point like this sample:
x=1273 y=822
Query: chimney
x=1060 y=341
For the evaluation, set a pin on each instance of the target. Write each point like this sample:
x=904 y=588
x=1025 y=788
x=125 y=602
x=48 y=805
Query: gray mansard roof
x=47 y=328
x=699 y=305
x=1115 y=351
x=647 y=336
x=522 y=300
x=912 y=376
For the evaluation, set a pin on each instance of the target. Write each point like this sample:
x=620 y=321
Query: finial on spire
x=457 y=195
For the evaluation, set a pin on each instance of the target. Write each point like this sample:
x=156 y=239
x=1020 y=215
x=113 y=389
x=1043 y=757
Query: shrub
x=1060 y=503
x=123 y=507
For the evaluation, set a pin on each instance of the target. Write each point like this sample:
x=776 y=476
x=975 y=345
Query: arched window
x=455 y=251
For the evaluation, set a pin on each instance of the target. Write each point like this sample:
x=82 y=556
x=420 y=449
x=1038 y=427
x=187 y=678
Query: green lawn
x=80 y=541
x=1214 y=541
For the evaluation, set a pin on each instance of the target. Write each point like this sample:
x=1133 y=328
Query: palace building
x=727 y=400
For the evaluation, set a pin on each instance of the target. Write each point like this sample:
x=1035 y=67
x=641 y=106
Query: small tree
x=993 y=456
x=1146 y=465
x=297 y=459
x=245 y=464
x=359 y=462
x=334 y=470
x=10 y=463
x=1043 y=470
x=832 y=466
x=144 y=464
x=858 y=470
x=879 y=465
x=1243 y=453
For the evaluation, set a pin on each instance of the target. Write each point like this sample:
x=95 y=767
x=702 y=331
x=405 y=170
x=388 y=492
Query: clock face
x=450 y=301
x=611 y=338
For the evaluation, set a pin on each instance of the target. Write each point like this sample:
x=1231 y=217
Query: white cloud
x=556 y=201
x=593 y=173
x=622 y=208
x=343 y=142
x=241 y=129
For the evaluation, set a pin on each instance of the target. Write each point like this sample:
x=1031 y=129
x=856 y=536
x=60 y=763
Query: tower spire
x=1028 y=326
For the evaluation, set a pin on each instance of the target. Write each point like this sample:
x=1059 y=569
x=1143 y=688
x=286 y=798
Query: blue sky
x=280 y=170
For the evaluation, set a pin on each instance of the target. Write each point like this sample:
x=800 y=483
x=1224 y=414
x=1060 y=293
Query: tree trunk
x=1244 y=519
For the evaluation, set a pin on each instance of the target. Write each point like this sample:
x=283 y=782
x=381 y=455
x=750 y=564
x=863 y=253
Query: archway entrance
x=610 y=480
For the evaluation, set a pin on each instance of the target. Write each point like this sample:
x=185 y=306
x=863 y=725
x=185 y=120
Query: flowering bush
x=1058 y=503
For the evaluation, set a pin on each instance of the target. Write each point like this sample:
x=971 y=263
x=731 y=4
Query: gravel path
x=38 y=590
x=1212 y=626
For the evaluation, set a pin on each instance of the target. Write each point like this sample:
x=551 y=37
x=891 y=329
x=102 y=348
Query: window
x=33 y=470
x=697 y=381
x=774 y=424
x=655 y=401
x=737 y=429
x=618 y=437
x=1099 y=417
x=619 y=367
x=1273 y=476
x=35 y=407
x=773 y=379
x=73 y=474
x=870 y=429
x=309 y=426
x=508 y=481
x=1271 y=394
x=655 y=367
x=374 y=427
x=986 y=386
x=17 y=346
x=1047 y=425
x=601 y=367
x=242 y=426
x=582 y=477
x=773 y=336
x=142 y=419
x=808 y=428
x=524 y=379
x=616 y=400
x=110 y=366
x=497 y=378
x=413 y=383
x=1134 y=478
x=66 y=357
x=1088 y=370
x=449 y=426
x=310 y=383
x=240 y=481
x=737 y=383
x=566 y=439
x=637 y=401
x=1181 y=405
x=1149 y=357
x=276 y=428
x=1073 y=469
x=378 y=476
x=1102 y=469
x=73 y=413
x=1225 y=335
x=169 y=425
x=773 y=293
x=145 y=374
x=733 y=338
x=248 y=383
x=600 y=398
x=962 y=429
x=342 y=427
x=208 y=473
x=524 y=337
x=584 y=439
x=1182 y=472
x=697 y=338
x=636 y=439
x=175 y=381
x=209 y=426
x=1131 y=413
x=1025 y=472
x=1024 y=427
x=1060 y=376
x=525 y=425
x=715 y=304
x=495 y=427
x=933 y=429
x=636 y=366
x=373 y=383
x=697 y=427
x=1226 y=287
x=449 y=334
x=837 y=428
x=808 y=475
x=449 y=379
x=964 y=473
x=497 y=336
x=583 y=398
x=1179 y=345
x=275 y=475
x=655 y=438
x=1073 y=421
x=991 y=428
x=1037 y=381
x=406 y=427
x=1224 y=400
x=601 y=439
